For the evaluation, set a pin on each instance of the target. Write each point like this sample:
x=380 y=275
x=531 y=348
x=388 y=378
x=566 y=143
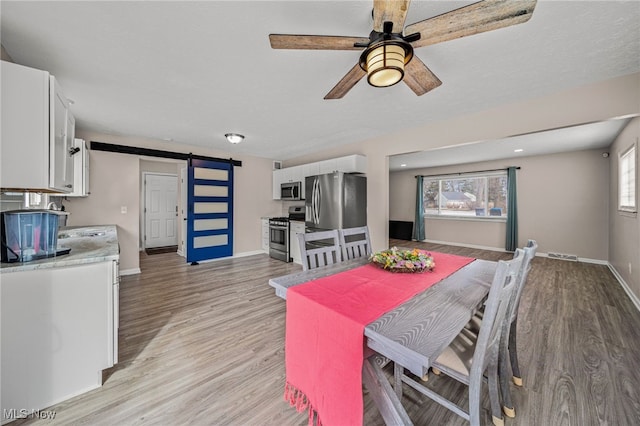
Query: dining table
x=412 y=331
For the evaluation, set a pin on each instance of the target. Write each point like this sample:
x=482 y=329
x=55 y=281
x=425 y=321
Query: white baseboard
x=594 y=261
x=243 y=254
x=133 y=271
x=248 y=253
x=625 y=286
x=580 y=259
x=448 y=243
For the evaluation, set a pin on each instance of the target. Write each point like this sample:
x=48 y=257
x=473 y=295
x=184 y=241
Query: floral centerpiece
x=396 y=260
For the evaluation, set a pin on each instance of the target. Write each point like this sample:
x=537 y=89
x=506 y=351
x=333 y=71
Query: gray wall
x=624 y=228
x=115 y=182
x=562 y=203
x=594 y=102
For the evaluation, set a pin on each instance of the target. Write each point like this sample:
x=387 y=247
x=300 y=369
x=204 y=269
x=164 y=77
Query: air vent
x=563 y=256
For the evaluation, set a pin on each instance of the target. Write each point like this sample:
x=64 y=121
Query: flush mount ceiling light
x=234 y=137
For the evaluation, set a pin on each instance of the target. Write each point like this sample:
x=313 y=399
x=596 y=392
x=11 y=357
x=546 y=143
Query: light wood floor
x=205 y=345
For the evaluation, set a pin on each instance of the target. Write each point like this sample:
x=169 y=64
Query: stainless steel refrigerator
x=335 y=201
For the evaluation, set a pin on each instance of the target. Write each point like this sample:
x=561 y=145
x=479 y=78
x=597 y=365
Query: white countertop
x=88 y=244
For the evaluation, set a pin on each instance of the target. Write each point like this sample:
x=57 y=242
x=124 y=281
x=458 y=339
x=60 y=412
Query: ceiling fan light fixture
x=385 y=58
x=234 y=138
x=385 y=65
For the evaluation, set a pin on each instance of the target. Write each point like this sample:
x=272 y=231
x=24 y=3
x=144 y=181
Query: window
x=467 y=195
x=627 y=180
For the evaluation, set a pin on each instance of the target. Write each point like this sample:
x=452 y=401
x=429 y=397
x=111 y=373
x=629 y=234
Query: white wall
x=562 y=204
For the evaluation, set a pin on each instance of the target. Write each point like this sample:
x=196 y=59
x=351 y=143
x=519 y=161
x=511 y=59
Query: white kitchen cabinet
x=349 y=164
x=296 y=174
x=352 y=164
x=115 y=281
x=295 y=228
x=58 y=327
x=288 y=174
x=37 y=132
x=276 y=184
x=80 y=169
x=265 y=235
x=70 y=151
x=310 y=169
x=328 y=166
x=61 y=139
x=280 y=176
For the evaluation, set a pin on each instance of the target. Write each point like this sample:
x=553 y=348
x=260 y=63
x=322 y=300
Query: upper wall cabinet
x=37 y=132
x=348 y=164
x=80 y=169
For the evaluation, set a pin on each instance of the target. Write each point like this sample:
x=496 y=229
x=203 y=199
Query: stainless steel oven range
x=279 y=240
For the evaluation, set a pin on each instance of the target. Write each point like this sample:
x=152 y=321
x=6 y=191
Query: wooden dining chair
x=508 y=350
x=467 y=358
x=319 y=249
x=508 y=353
x=355 y=242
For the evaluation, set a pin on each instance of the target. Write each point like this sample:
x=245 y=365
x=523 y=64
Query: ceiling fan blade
x=390 y=11
x=348 y=81
x=476 y=18
x=317 y=42
x=420 y=78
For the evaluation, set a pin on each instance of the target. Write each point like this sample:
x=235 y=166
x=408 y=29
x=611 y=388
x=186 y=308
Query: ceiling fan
x=388 y=51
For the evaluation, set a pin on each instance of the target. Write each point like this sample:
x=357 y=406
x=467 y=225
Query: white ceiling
x=193 y=71
x=574 y=138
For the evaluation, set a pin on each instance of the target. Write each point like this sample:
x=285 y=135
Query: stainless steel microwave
x=291 y=191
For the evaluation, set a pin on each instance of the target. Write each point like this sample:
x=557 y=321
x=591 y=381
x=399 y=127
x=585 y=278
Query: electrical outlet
x=123 y=209
x=630 y=273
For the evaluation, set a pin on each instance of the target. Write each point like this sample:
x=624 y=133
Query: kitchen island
x=59 y=321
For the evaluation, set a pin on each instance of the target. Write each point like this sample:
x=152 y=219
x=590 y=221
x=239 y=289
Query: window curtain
x=418 y=228
x=512 y=211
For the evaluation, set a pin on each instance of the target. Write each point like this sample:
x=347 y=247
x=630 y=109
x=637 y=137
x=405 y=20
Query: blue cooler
x=28 y=235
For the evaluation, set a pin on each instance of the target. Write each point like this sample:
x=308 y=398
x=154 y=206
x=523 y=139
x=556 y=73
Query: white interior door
x=160 y=210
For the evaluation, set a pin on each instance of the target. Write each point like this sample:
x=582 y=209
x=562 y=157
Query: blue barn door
x=210 y=210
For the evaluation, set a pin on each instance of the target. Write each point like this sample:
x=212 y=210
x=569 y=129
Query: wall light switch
x=123 y=209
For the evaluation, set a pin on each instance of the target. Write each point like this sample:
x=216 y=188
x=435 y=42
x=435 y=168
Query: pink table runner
x=325 y=346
